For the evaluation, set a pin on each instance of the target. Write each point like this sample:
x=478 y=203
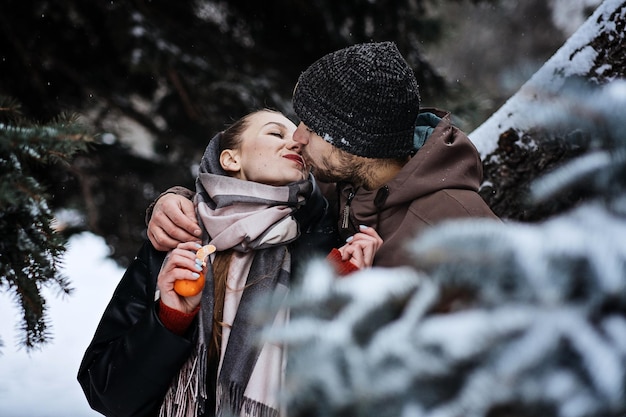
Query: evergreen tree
x=31 y=249
x=495 y=319
x=171 y=73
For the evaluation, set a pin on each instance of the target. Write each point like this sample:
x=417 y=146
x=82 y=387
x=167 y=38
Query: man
x=382 y=162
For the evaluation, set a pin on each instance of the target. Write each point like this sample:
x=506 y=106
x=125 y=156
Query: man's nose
x=294 y=145
x=301 y=135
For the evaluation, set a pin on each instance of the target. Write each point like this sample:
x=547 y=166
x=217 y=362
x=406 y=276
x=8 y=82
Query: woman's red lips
x=295 y=157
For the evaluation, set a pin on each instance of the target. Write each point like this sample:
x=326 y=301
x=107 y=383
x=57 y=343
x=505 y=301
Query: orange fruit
x=191 y=287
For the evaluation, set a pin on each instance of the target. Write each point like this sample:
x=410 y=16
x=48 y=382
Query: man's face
x=328 y=163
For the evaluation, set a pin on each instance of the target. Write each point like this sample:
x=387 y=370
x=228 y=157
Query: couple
x=197 y=355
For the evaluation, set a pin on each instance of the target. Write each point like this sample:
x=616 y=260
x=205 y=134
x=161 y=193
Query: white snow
x=43 y=383
x=568 y=15
x=573 y=58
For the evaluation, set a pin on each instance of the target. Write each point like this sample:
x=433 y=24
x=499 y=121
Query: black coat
x=132 y=359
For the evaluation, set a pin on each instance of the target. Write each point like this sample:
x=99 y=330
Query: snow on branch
x=495 y=319
x=593 y=53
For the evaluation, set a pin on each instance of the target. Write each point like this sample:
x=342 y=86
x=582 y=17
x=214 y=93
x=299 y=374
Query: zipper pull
x=345 y=220
x=346 y=217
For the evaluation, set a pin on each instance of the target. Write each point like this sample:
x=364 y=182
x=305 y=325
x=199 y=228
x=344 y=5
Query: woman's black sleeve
x=132 y=359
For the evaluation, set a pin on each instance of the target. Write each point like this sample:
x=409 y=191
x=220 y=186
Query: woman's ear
x=229 y=160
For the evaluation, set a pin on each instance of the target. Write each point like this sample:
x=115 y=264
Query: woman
x=197 y=355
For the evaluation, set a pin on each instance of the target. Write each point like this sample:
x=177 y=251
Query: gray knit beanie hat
x=363 y=99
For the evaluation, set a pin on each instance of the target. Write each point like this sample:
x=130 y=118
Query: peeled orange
x=191 y=287
x=203 y=252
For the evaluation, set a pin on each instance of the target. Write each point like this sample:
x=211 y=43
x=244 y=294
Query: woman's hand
x=180 y=264
x=361 y=247
x=173 y=221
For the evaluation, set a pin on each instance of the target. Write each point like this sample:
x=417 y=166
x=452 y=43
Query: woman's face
x=268 y=154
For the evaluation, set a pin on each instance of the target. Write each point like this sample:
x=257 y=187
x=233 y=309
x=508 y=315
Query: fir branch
x=31 y=250
x=502 y=319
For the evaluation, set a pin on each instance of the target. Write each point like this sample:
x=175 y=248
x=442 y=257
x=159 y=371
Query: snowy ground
x=43 y=383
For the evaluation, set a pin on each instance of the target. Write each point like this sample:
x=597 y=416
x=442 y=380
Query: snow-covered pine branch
x=496 y=320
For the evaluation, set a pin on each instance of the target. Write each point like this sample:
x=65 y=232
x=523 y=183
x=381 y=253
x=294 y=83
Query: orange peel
x=191 y=287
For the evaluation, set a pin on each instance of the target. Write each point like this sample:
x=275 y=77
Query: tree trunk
x=521 y=141
x=595 y=52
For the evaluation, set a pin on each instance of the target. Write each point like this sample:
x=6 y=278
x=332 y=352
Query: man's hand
x=362 y=247
x=173 y=221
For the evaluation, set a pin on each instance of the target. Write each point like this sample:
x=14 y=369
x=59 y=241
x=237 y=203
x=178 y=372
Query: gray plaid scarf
x=256 y=221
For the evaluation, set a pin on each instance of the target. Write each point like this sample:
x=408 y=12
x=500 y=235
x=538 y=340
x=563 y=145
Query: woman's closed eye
x=277 y=134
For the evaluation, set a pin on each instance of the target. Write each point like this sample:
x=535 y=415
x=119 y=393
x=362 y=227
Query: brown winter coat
x=440 y=182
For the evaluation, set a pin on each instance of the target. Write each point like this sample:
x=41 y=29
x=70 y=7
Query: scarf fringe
x=256 y=409
x=187 y=396
x=236 y=404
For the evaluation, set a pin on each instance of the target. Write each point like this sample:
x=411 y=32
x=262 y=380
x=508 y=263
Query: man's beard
x=322 y=172
x=345 y=169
